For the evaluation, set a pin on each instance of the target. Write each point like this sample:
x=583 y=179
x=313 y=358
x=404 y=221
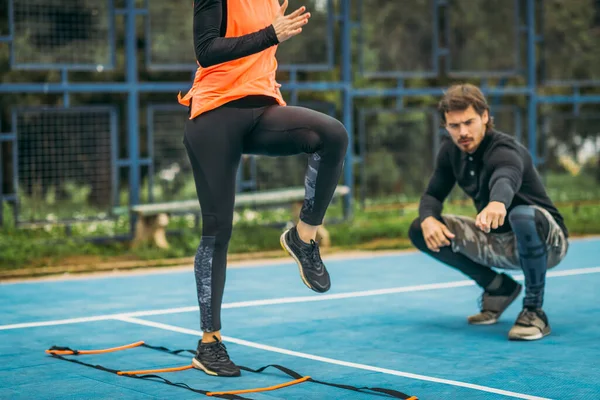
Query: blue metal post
x=293 y=81
x=15 y=151
x=346 y=75
x=531 y=82
x=568 y=99
x=64 y=74
x=576 y=103
x=519 y=126
x=132 y=107
x=144 y=87
x=1 y=184
x=399 y=97
x=150 y=140
x=114 y=156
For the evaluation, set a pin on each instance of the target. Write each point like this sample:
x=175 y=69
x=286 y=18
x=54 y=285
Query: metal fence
x=95 y=125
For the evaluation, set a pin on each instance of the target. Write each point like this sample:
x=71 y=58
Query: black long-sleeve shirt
x=500 y=170
x=211 y=45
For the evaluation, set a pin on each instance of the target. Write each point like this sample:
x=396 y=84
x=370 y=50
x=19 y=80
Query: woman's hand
x=287 y=26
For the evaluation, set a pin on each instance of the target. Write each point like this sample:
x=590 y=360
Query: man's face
x=467 y=128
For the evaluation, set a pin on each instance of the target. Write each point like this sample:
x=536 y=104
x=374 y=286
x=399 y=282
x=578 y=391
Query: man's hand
x=436 y=234
x=290 y=25
x=492 y=216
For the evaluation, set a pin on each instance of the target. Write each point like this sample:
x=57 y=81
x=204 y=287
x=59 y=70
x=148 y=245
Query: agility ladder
x=60 y=353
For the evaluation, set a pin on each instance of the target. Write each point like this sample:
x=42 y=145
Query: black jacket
x=500 y=170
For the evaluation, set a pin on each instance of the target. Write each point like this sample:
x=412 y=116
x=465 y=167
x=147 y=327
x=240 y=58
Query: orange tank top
x=251 y=75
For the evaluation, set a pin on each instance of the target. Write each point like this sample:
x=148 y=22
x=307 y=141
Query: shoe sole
x=488 y=322
x=538 y=336
x=198 y=365
x=512 y=298
x=291 y=253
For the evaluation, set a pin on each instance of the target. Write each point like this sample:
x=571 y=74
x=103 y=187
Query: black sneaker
x=312 y=270
x=213 y=359
x=531 y=324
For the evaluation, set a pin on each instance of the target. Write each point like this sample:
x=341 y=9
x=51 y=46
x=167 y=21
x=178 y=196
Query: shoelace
x=527 y=316
x=222 y=352
x=315 y=255
x=217 y=351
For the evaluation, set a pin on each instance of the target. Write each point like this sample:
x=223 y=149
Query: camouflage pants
x=500 y=250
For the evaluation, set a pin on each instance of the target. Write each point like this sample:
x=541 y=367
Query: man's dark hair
x=460 y=97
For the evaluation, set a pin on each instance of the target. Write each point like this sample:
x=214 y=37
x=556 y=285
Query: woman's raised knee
x=339 y=134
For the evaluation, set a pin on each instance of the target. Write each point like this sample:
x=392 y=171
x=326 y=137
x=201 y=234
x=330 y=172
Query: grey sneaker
x=492 y=306
x=213 y=359
x=307 y=256
x=530 y=325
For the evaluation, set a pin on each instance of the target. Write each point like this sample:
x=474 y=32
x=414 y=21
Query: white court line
x=332 y=360
x=241 y=304
x=287 y=300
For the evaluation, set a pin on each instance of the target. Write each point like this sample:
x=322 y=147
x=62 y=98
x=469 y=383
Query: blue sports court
x=393 y=320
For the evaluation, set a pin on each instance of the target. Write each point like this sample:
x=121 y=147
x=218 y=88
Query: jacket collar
x=478 y=154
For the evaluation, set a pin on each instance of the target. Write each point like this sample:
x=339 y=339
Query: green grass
x=370 y=229
x=382 y=225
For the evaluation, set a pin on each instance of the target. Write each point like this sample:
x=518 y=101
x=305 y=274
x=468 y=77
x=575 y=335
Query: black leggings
x=215 y=142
